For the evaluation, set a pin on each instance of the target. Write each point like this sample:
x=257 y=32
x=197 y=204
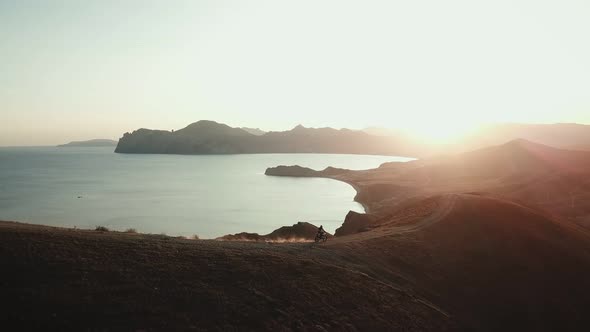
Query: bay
x=207 y=195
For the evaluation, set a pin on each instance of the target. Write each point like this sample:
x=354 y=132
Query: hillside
x=446 y=262
x=492 y=263
x=560 y=135
x=59 y=279
x=554 y=180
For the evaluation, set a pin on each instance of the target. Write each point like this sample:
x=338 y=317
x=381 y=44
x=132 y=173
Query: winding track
x=446 y=204
x=337 y=255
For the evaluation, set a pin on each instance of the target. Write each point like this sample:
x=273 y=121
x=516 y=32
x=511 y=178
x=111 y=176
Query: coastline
x=354 y=185
x=356 y=188
x=245 y=207
x=337 y=174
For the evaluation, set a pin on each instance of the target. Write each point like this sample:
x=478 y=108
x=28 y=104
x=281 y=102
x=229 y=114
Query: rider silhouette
x=321 y=230
x=321 y=235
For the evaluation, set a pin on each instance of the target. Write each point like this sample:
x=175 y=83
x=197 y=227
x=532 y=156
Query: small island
x=93 y=143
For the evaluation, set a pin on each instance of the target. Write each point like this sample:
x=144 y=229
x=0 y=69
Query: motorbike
x=323 y=237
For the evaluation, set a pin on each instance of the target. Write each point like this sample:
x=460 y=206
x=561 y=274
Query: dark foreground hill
x=493 y=264
x=463 y=261
x=59 y=279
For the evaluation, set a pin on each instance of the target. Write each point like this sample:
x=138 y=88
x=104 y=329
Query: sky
x=73 y=70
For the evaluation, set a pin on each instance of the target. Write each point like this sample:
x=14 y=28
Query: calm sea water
x=177 y=195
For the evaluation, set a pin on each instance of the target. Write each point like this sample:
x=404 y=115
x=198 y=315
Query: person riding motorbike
x=322 y=235
x=321 y=230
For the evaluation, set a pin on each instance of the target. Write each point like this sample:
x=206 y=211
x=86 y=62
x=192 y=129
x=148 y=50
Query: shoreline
x=356 y=188
x=318 y=174
x=296 y=171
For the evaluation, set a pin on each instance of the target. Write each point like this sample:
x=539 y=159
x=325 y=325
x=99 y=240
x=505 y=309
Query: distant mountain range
x=90 y=143
x=210 y=137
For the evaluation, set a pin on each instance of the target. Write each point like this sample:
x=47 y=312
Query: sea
x=177 y=195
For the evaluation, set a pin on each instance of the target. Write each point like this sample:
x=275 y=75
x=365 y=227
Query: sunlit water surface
x=173 y=194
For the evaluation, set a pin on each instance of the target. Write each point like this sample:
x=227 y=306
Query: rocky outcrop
x=355 y=223
x=300 y=232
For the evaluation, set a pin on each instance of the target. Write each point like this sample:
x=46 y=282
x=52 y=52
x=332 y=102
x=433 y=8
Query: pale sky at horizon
x=75 y=70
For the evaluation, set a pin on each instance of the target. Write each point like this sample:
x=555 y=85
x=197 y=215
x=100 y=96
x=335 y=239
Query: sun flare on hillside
x=440 y=131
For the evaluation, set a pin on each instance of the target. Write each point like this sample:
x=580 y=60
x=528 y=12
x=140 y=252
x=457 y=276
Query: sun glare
x=440 y=131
